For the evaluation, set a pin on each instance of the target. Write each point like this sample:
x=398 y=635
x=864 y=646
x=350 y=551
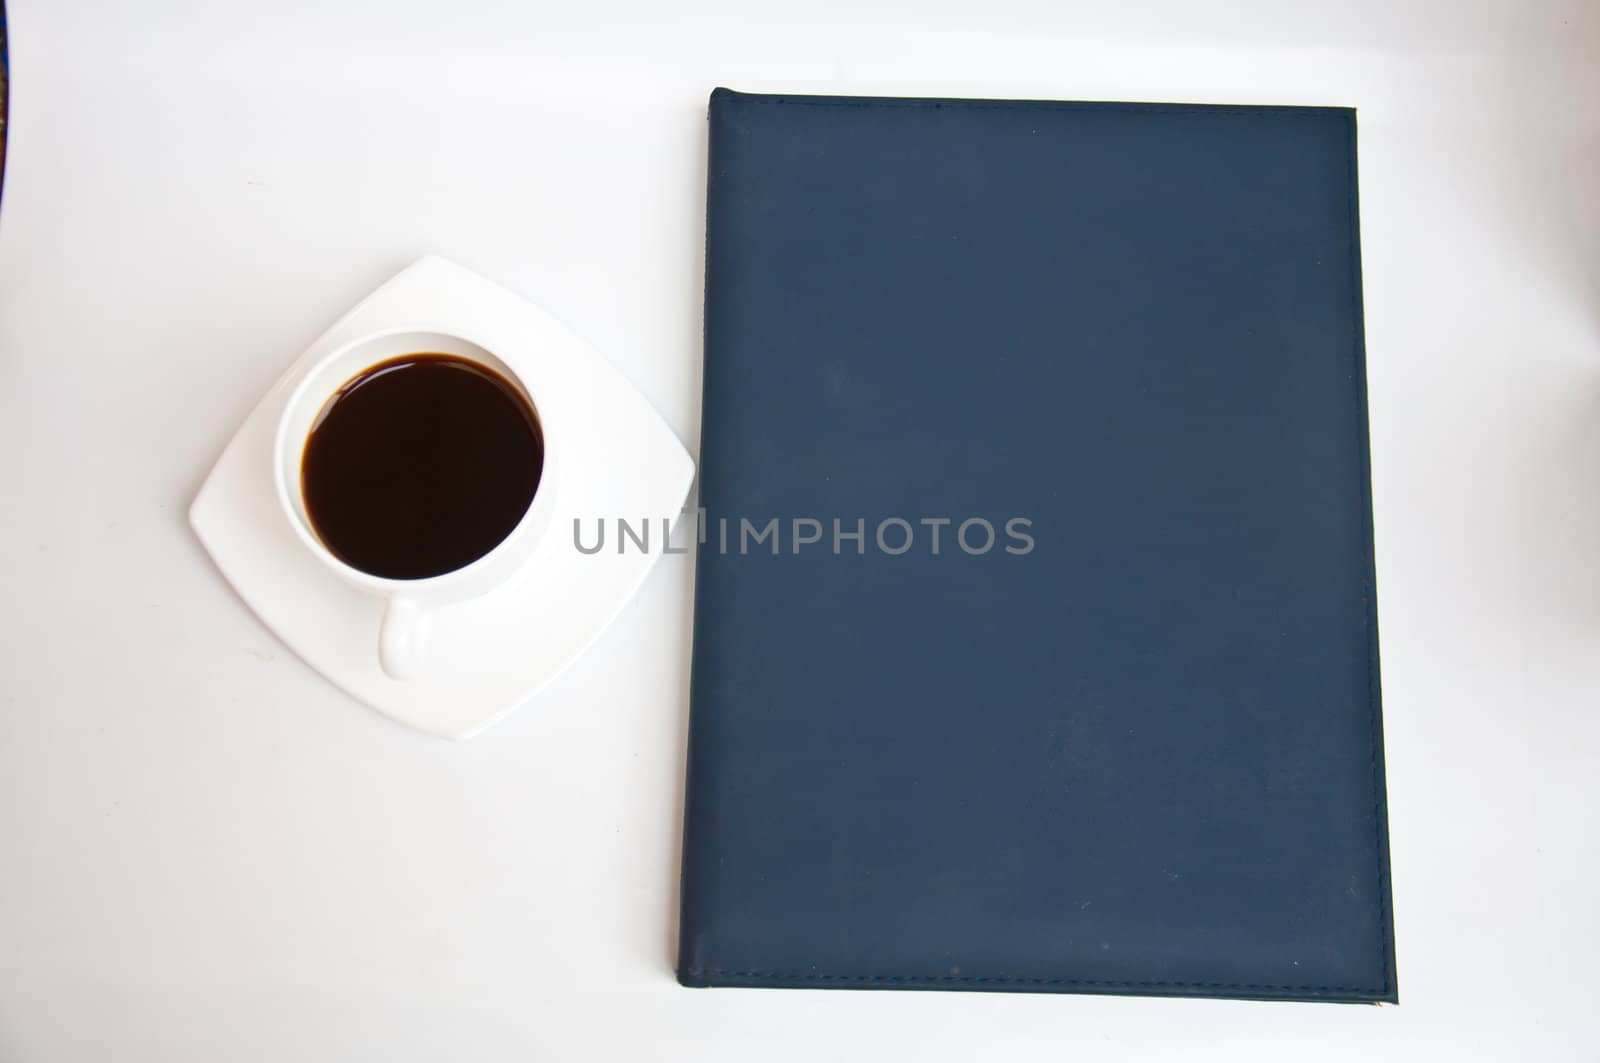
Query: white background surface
x=207 y=852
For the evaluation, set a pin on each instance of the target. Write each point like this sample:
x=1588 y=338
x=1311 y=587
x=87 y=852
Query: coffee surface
x=420 y=465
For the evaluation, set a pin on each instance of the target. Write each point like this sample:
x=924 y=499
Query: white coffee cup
x=403 y=633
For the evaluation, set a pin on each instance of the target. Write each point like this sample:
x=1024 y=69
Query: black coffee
x=420 y=465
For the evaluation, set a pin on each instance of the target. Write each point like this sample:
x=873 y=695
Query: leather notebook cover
x=1059 y=668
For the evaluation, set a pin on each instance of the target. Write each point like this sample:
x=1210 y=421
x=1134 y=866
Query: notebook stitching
x=1242 y=110
x=1383 y=922
x=697 y=972
x=1385 y=957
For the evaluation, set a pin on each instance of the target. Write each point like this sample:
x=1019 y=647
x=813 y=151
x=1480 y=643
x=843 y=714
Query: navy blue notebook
x=1036 y=643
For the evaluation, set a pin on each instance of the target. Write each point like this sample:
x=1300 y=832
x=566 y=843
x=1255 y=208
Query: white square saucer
x=489 y=654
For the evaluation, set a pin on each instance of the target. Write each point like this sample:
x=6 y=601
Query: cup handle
x=402 y=638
